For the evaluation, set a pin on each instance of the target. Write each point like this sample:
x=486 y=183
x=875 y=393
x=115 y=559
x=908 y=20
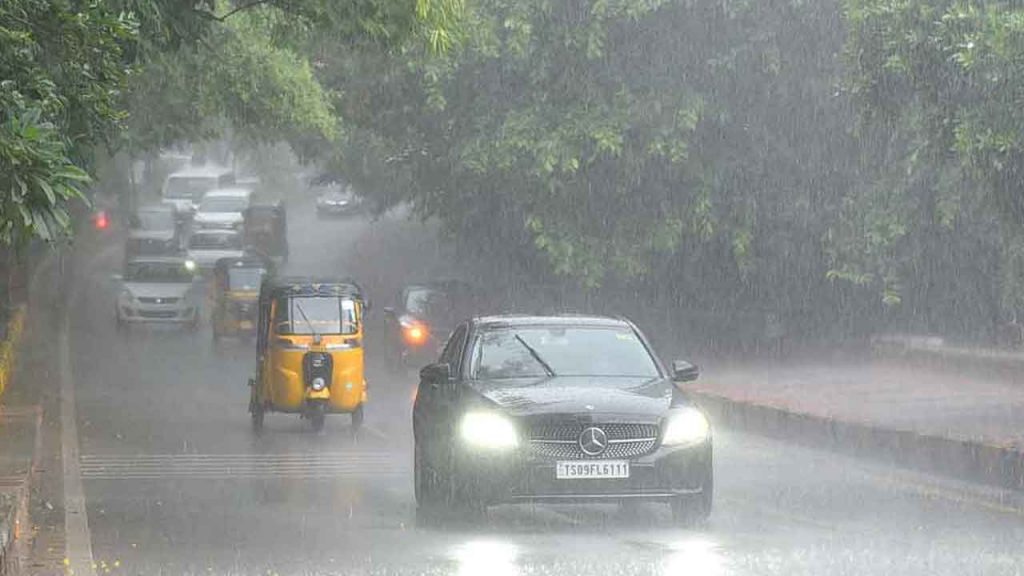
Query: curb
x=9 y=346
x=981 y=360
x=998 y=466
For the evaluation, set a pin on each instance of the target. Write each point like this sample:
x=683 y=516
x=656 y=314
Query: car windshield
x=157 y=272
x=188 y=187
x=154 y=220
x=533 y=351
x=426 y=302
x=247 y=279
x=222 y=204
x=316 y=314
x=215 y=241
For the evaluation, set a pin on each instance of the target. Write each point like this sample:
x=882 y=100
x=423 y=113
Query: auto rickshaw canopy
x=301 y=287
x=266 y=228
x=223 y=267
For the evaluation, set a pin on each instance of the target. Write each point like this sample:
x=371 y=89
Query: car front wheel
x=695 y=509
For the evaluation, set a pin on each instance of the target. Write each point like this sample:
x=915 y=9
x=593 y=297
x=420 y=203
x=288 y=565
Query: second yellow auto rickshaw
x=234 y=292
x=310 y=351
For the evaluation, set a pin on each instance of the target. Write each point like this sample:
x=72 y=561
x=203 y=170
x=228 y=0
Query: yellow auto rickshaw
x=310 y=349
x=234 y=290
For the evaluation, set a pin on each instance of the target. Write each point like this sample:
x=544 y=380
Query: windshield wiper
x=316 y=335
x=536 y=356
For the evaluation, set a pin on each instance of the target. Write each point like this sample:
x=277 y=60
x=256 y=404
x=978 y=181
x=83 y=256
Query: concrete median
x=970 y=460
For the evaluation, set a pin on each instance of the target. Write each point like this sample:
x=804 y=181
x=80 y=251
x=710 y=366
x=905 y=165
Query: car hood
x=643 y=397
x=209 y=256
x=157 y=290
x=218 y=217
x=162 y=235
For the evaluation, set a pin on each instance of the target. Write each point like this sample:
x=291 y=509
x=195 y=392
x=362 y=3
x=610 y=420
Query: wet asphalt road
x=176 y=483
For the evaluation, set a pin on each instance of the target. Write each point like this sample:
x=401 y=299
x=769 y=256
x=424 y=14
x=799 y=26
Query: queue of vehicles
x=508 y=408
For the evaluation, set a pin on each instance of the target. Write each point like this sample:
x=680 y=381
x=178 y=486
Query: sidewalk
x=954 y=420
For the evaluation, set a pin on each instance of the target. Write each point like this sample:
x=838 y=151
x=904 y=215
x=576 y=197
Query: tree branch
x=232 y=12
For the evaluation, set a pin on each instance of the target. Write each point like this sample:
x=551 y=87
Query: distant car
x=186 y=187
x=424 y=315
x=558 y=409
x=158 y=289
x=222 y=208
x=205 y=247
x=154 y=231
x=336 y=200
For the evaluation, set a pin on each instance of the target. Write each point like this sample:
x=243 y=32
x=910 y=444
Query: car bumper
x=157 y=314
x=662 y=475
x=336 y=209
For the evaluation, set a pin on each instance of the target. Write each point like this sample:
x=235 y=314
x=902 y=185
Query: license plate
x=591 y=469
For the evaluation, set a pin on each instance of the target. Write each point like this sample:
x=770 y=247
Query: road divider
x=963 y=459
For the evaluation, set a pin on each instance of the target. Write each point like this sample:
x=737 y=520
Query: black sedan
x=558 y=409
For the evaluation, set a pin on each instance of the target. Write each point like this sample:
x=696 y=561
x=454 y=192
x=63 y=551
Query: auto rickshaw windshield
x=245 y=279
x=324 y=315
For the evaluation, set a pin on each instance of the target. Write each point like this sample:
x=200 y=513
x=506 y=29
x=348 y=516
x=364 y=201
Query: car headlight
x=688 y=426
x=488 y=430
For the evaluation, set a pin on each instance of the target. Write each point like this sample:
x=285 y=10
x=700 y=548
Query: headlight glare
x=688 y=426
x=488 y=430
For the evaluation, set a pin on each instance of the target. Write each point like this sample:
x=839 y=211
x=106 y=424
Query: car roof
x=200 y=171
x=228 y=193
x=215 y=232
x=506 y=320
x=162 y=207
x=158 y=260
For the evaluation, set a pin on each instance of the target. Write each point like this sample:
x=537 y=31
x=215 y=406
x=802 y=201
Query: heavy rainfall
x=511 y=287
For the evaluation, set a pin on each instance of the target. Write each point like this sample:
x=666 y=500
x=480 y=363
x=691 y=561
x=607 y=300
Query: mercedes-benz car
x=158 y=289
x=558 y=409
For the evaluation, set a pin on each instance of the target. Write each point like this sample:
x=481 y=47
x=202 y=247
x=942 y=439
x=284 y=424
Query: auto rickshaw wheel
x=317 y=416
x=256 y=410
x=357 y=417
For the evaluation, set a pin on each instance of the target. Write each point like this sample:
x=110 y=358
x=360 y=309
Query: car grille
x=153 y=314
x=561 y=441
x=148 y=300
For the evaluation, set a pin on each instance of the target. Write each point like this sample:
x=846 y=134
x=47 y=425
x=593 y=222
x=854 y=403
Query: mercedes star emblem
x=593 y=441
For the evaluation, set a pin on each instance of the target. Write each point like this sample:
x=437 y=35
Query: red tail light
x=101 y=220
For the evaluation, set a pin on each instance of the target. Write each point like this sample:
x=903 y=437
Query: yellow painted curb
x=9 y=347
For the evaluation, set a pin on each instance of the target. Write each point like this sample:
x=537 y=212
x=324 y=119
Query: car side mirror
x=436 y=374
x=683 y=371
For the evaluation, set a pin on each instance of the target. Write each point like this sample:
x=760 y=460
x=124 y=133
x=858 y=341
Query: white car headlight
x=488 y=430
x=688 y=426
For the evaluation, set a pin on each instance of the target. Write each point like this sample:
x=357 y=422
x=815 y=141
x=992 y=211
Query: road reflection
x=486 y=558
x=694 y=557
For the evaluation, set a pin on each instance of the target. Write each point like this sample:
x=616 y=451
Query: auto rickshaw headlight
x=318 y=384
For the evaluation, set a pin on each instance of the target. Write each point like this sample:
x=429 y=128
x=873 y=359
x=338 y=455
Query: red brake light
x=102 y=220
